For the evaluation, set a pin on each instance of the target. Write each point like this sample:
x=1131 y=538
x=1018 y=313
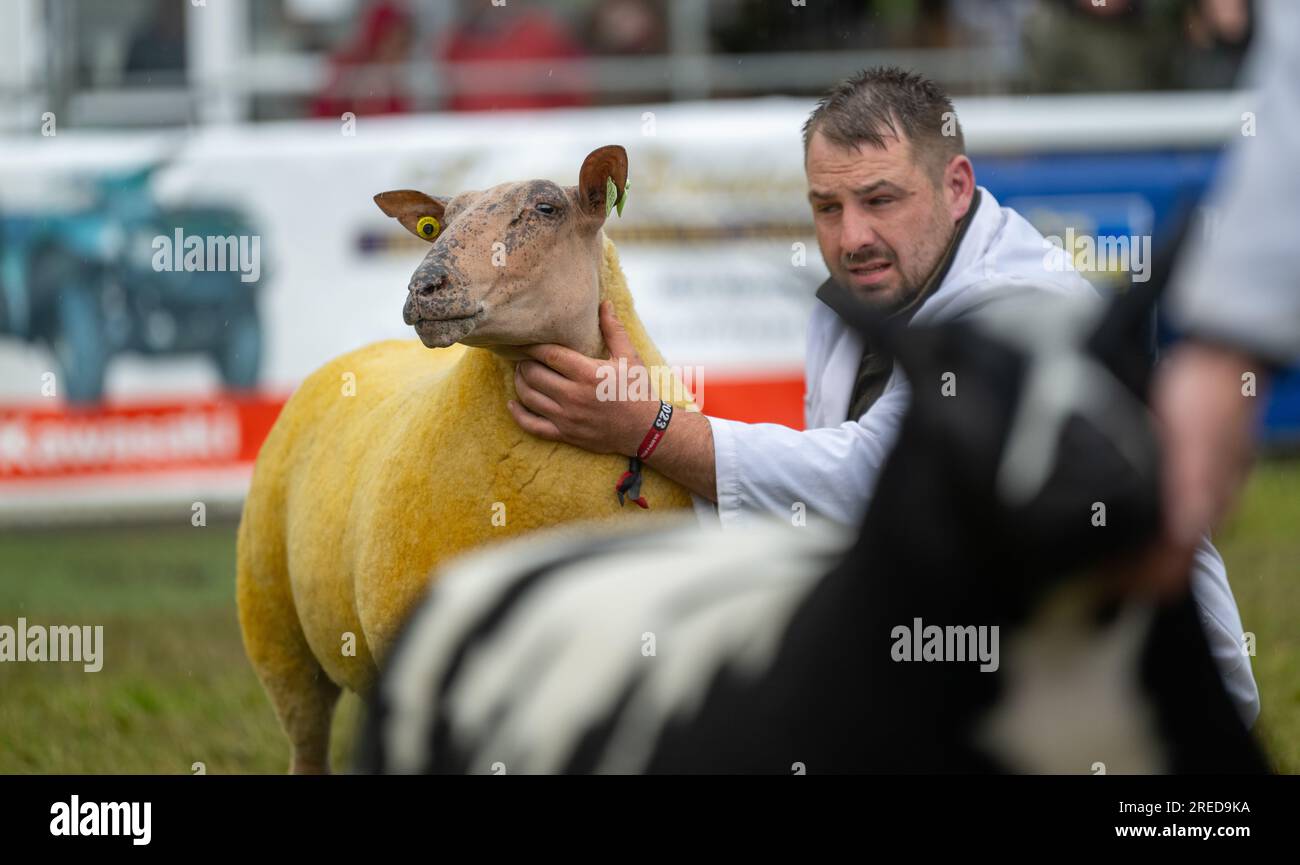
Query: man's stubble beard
x=910 y=285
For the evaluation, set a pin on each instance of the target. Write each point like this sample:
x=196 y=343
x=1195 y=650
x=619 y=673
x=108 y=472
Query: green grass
x=1261 y=547
x=176 y=688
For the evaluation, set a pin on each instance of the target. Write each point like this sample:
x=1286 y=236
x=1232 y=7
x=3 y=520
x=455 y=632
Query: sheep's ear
x=419 y=214
x=602 y=182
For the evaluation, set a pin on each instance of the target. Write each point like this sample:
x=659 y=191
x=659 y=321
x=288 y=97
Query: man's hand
x=559 y=400
x=1207 y=424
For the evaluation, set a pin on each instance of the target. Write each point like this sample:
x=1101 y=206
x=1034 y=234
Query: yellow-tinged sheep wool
x=355 y=500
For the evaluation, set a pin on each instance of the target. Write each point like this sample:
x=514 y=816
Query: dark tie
x=873 y=373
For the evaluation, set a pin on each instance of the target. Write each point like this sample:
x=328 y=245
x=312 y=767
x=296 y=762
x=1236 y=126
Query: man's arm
x=745 y=468
x=772 y=469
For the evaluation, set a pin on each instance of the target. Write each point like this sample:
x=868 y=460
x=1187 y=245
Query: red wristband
x=656 y=432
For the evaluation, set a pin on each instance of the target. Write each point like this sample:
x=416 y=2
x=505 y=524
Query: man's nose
x=856 y=231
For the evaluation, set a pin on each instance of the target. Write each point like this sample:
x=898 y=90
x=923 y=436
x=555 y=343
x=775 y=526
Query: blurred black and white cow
x=968 y=626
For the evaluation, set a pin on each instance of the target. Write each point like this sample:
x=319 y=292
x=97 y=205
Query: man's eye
x=880 y=200
x=828 y=208
x=546 y=208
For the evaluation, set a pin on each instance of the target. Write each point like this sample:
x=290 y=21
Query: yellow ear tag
x=428 y=227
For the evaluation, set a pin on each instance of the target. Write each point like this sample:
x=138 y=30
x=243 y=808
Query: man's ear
x=602 y=182
x=959 y=177
x=420 y=214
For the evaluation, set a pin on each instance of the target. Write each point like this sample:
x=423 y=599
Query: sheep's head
x=513 y=265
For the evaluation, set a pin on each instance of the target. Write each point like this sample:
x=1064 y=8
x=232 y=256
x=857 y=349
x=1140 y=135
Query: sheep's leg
x=301 y=693
x=307 y=716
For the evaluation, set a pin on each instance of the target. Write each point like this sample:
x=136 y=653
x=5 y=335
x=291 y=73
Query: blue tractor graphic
x=83 y=282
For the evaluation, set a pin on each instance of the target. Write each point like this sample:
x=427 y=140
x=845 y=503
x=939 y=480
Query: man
x=1238 y=298
x=902 y=226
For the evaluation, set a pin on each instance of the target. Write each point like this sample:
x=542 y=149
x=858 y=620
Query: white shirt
x=830 y=468
x=1240 y=287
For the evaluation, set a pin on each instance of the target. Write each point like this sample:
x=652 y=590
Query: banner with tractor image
x=162 y=294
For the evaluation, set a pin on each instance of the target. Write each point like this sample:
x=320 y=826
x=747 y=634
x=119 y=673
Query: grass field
x=176 y=689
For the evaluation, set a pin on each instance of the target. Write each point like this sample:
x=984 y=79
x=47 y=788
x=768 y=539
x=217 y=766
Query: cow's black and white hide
x=775 y=648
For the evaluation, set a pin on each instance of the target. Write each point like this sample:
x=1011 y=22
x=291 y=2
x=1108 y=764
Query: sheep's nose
x=427 y=282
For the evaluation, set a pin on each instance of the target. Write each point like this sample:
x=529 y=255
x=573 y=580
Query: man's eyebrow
x=879 y=185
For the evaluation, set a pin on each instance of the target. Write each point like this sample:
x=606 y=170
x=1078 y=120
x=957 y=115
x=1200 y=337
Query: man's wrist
x=685 y=455
x=643 y=421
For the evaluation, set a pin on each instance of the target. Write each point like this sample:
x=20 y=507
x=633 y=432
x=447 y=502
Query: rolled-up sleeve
x=773 y=469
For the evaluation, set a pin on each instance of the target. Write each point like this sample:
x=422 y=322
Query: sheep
x=391 y=459
x=782 y=649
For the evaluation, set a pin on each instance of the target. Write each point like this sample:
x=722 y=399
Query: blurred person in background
x=1217 y=34
x=629 y=28
x=758 y=25
x=1237 y=298
x=1083 y=46
x=996 y=23
x=366 y=76
x=488 y=35
x=1078 y=46
x=159 y=45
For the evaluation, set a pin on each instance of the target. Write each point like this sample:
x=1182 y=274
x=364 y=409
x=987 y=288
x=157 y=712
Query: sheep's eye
x=546 y=208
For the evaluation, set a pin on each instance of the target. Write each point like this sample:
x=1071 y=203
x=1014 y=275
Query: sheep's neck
x=584 y=335
x=589 y=343
x=504 y=357
x=580 y=333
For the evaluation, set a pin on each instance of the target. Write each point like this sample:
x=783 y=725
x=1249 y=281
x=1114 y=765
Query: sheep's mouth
x=442 y=332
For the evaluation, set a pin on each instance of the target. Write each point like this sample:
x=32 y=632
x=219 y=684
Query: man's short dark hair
x=887 y=102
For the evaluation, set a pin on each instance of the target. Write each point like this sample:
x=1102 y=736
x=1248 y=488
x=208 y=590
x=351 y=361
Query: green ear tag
x=611 y=193
x=622 y=199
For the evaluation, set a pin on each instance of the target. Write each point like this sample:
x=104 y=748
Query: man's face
x=882 y=223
